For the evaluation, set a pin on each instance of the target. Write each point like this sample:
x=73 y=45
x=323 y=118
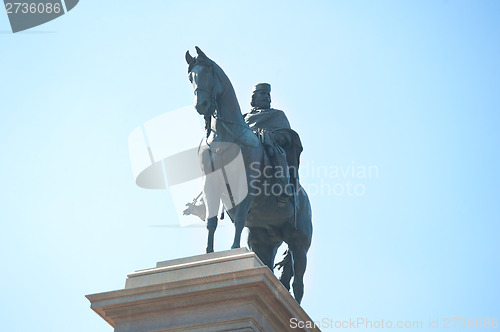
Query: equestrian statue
x=250 y=164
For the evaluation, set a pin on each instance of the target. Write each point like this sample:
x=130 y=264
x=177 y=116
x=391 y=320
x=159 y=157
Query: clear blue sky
x=408 y=87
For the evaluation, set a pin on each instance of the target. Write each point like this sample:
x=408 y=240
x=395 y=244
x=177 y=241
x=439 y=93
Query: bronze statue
x=270 y=219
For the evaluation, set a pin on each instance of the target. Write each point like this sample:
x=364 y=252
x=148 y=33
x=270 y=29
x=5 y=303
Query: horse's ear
x=189 y=58
x=200 y=52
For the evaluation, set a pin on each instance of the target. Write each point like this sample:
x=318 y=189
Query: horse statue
x=242 y=190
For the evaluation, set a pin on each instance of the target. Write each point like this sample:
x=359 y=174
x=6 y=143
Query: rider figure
x=263 y=118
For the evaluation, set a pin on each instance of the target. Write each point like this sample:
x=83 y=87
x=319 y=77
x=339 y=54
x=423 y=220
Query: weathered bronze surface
x=271 y=216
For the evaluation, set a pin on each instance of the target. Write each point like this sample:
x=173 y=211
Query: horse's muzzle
x=204 y=108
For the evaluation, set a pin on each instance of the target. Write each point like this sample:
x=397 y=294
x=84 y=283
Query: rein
x=211 y=92
x=233 y=134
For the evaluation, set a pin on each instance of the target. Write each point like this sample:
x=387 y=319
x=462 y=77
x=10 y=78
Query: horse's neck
x=228 y=106
x=229 y=120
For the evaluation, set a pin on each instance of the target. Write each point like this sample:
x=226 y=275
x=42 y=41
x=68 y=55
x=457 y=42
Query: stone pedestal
x=223 y=291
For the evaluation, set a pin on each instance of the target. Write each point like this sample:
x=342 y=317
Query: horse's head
x=206 y=83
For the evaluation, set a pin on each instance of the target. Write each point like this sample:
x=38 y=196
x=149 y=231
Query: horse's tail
x=287 y=265
x=286 y=260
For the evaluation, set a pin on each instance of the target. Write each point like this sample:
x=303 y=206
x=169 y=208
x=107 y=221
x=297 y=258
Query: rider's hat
x=262 y=86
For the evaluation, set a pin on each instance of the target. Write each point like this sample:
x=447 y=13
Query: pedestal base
x=223 y=291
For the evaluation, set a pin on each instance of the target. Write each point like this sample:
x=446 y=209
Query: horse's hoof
x=287 y=287
x=209 y=250
x=234 y=247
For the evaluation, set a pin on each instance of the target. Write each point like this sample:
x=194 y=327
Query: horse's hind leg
x=240 y=218
x=260 y=242
x=299 y=255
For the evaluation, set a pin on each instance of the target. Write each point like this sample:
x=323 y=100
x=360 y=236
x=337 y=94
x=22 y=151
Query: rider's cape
x=269 y=118
x=275 y=131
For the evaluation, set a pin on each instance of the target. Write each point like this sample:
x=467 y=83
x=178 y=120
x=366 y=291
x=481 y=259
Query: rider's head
x=261 y=96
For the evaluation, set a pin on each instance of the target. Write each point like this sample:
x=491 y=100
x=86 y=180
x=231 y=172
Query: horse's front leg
x=211 y=212
x=211 y=197
x=211 y=226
